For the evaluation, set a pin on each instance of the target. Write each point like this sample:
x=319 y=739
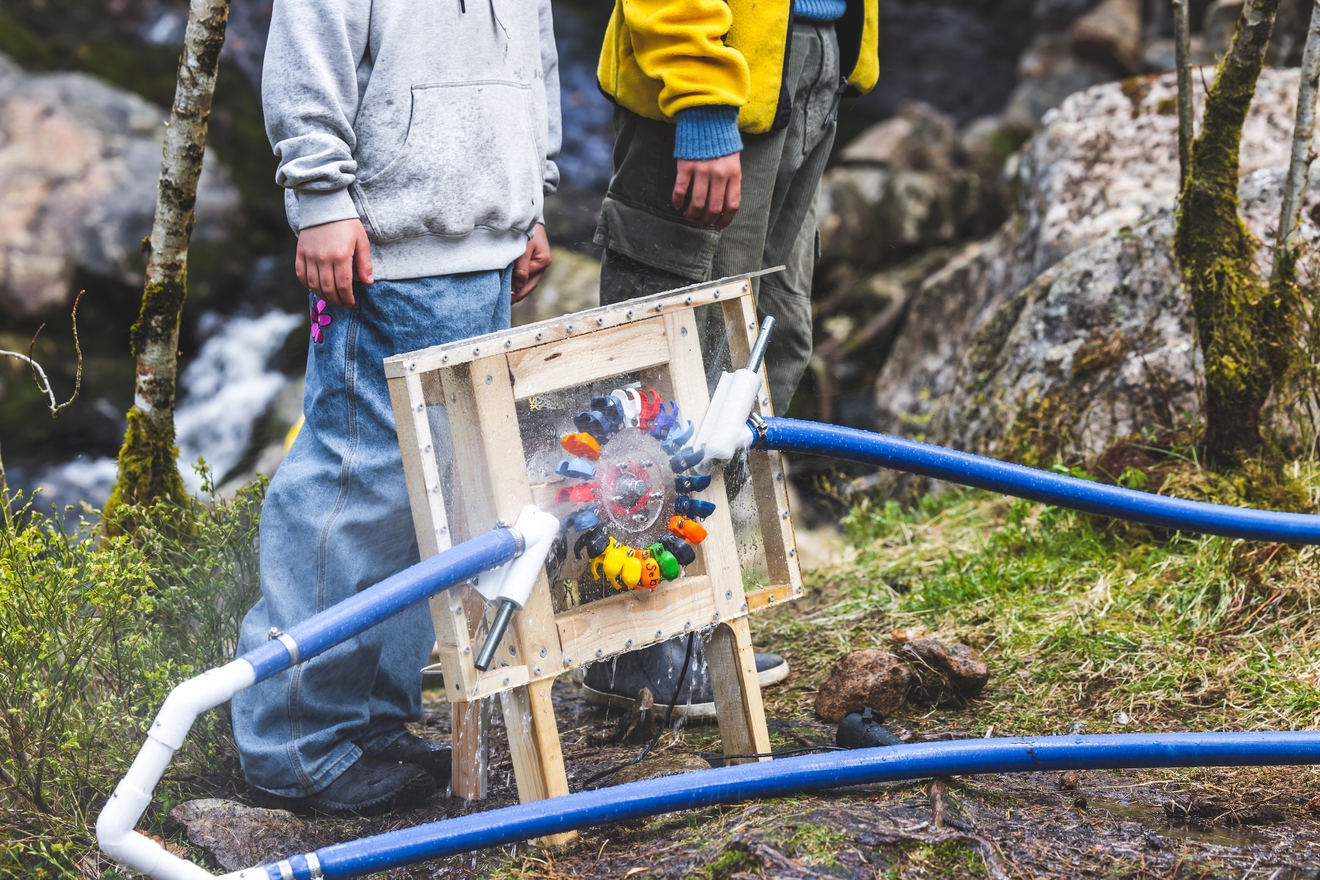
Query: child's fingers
x=300 y=270
x=732 y=202
x=681 y=182
x=700 y=191
x=362 y=257
x=343 y=275
x=714 y=201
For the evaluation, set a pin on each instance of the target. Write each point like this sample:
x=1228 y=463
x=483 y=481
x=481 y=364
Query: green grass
x=1079 y=619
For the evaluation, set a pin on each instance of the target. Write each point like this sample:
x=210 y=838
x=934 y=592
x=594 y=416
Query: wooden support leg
x=469 y=724
x=737 y=695
x=538 y=760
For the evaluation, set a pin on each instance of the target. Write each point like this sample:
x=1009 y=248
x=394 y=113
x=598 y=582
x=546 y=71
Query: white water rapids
x=225 y=390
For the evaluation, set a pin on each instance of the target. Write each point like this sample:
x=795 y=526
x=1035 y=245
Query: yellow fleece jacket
x=663 y=56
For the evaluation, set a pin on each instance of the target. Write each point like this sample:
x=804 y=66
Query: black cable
x=682 y=677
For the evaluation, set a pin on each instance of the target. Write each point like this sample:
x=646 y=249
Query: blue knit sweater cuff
x=707 y=133
x=819 y=10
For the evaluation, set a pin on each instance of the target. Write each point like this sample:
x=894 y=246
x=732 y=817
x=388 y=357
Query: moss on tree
x=1243 y=324
x=148 y=465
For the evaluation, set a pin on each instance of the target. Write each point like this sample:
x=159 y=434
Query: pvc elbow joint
x=511 y=584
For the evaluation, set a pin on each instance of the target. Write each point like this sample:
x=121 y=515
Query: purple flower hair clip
x=320 y=319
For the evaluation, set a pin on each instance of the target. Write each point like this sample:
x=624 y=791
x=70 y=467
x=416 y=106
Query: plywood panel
x=564 y=364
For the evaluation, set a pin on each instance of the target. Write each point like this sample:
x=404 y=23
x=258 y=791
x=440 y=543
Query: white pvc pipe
x=114 y=827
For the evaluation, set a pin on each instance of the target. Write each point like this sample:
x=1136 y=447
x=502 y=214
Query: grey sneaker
x=617 y=682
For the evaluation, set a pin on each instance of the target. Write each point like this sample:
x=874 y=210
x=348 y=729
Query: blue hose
x=366 y=609
x=939 y=463
x=789 y=776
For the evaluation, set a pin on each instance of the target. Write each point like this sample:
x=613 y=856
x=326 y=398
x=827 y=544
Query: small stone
x=660 y=766
x=1068 y=780
x=876 y=679
x=945 y=673
x=239 y=836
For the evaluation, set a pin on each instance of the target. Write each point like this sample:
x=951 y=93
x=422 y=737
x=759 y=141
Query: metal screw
x=658 y=634
x=273 y=632
x=467 y=650
x=569 y=328
x=628 y=644
x=600 y=652
x=476 y=351
x=765 y=401
x=659 y=306
x=746 y=285
x=792 y=551
x=453 y=398
x=538 y=335
x=513 y=649
x=600 y=322
x=717 y=294
x=744 y=606
x=508 y=343
x=688 y=301
x=751 y=325
x=772 y=597
x=783 y=515
x=629 y=315
x=568 y=661
x=506 y=682
x=687 y=625
x=488 y=380
x=444 y=358
x=412 y=366
x=543 y=652
x=728 y=594
x=536 y=671
x=779 y=477
x=420 y=407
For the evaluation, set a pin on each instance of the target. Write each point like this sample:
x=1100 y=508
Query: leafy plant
x=97 y=630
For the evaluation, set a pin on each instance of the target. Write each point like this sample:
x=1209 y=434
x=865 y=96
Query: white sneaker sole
x=686 y=711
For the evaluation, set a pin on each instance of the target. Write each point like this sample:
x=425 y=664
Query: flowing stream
x=226 y=389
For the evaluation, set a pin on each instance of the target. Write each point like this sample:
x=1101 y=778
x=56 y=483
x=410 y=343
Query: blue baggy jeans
x=336 y=520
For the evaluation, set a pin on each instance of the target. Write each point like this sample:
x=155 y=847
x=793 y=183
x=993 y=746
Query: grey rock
x=1099 y=346
x=899 y=188
x=919 y=138
x=239 y=836
x=1110 y=34
x=79 y=164
x=1106 y=160
x=1050 y=73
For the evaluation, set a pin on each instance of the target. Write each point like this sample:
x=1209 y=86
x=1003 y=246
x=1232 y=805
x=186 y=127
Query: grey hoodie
x=434 y=121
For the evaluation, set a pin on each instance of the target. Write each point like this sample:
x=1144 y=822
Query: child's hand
x=716 y=189
x=327 y=257
x=528 y=269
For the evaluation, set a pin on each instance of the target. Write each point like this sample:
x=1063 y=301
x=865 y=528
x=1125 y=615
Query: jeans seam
x=323 y=541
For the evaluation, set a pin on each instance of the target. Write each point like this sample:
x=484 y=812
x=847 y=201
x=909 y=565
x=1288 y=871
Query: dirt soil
x=1248 y=823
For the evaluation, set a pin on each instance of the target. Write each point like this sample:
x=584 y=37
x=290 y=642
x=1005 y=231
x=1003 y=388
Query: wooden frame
x=480 y=382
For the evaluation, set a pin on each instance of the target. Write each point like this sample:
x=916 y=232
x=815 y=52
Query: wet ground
x=1241 y=824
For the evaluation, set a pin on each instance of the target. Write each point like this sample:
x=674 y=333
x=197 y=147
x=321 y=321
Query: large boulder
x=79 y=163
x=1105 y=161
x=1099 y=346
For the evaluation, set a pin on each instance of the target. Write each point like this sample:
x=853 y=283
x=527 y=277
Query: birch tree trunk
x=1238 y=322
x=148 y=469
x=1182 y=42
x=1299 y=165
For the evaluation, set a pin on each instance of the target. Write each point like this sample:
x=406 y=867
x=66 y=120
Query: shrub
x=96 y=631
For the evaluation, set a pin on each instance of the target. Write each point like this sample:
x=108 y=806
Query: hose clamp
x=519 y=542
x=759 y=427
x=289 y=645
x=314 y=867
x=286 y=870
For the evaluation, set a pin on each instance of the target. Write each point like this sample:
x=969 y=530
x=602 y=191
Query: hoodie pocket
x=472 y=159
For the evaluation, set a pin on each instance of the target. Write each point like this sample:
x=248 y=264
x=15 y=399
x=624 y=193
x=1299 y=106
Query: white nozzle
x=724 y=430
